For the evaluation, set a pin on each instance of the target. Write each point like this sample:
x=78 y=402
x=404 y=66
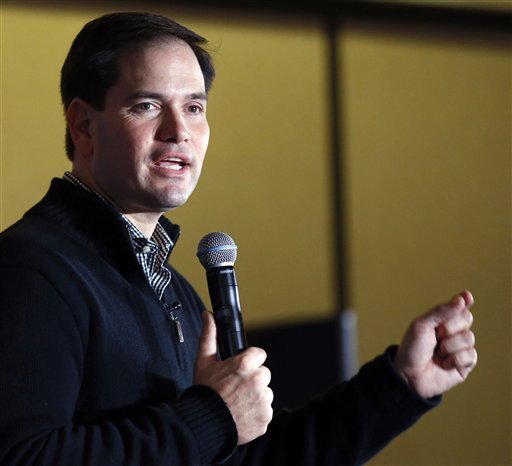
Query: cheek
x=119 y=132
x=130 y=148
x=140 y=144
x=201 y=155
x=203 y=142
x=207 y=138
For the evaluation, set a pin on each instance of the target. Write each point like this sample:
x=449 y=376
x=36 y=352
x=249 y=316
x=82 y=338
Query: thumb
x=208 y=338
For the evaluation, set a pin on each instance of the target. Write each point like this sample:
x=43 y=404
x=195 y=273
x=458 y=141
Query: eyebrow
x=158 y=96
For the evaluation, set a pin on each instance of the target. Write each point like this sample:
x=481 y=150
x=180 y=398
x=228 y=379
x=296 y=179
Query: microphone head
x=216 y=250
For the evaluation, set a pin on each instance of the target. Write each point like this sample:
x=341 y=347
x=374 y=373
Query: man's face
x=149 y=142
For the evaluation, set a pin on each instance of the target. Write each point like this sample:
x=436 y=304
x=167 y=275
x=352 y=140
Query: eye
x=195 y=109
x=145 y=107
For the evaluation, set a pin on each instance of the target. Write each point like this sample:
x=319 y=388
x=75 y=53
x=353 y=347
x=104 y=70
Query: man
x=106 y=355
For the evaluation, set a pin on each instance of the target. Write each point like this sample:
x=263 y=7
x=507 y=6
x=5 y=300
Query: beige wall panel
x=428 y=150
x=266 y=179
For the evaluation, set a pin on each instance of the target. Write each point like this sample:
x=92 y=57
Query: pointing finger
x=459 y=323
x=459 y=342
x=455 y=309
x=468 y=298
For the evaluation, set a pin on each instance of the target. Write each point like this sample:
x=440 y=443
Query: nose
x=173 y=128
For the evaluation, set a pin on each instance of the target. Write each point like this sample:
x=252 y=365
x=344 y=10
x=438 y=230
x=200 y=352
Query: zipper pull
x=177 y=324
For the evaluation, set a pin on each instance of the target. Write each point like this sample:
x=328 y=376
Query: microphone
x=217 y=254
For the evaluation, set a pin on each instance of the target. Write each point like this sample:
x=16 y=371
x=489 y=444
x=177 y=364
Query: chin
x=168 y=199
x=175 y=202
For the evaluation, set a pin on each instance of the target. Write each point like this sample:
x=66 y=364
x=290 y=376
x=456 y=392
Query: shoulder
x=27 y=240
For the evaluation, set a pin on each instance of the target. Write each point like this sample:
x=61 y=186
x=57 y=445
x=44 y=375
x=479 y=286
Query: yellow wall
x=427 y=144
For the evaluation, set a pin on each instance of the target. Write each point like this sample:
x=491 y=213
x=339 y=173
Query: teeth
x=171 y=165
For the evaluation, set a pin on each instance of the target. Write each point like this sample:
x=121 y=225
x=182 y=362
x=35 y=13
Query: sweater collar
x=92 y=221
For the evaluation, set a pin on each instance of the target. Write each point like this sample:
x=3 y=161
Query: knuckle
x=269 y=396
x=268 y=417
x=250 y=358
x=266 y=414
x=243 y=365
x=257 y=379
x=417 y=325
x=265 y=400
x=473 y=356
x=466 y=358
x=244 y=362
x=261 y=376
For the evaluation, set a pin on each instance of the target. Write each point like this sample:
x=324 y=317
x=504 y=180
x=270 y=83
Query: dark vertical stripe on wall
x=345 y=320
x=334 y=117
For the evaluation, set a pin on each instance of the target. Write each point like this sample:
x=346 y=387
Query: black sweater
x=91 y=370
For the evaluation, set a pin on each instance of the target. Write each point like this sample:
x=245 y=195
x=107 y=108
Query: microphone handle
x=223 y=290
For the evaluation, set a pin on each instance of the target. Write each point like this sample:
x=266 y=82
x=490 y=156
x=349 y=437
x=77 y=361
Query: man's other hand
x=438 y=349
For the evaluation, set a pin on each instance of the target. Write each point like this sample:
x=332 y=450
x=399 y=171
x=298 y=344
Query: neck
x=145 y=222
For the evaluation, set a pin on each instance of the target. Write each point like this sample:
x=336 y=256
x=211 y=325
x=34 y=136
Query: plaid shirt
x=150 y=252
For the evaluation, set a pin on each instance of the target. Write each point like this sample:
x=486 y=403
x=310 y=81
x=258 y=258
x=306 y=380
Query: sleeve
x=347 y=425
x=42 y=348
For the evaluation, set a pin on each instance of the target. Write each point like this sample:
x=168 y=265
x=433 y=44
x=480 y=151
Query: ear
x=79 y=117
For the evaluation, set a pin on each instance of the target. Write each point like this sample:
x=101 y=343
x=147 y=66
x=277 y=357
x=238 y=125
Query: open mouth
x=172 y=164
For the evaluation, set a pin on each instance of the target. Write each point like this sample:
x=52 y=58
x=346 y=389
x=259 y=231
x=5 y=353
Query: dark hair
x=90 y=69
